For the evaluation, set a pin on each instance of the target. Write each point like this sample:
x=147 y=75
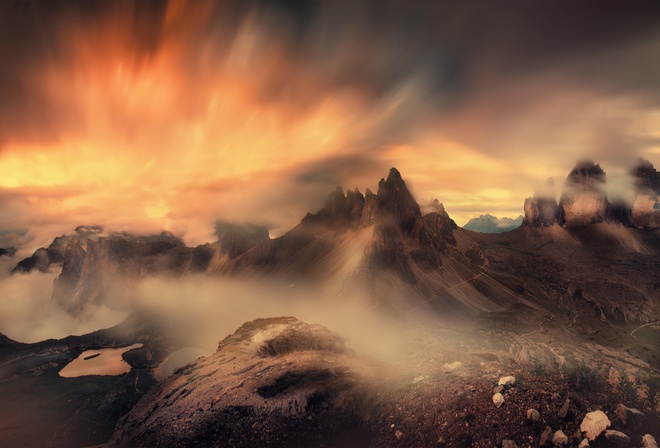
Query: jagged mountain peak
x=584 y=200
x=645 y=211
x=352 y=209
x=492 y=224
x=647 y=178
x=586 y=175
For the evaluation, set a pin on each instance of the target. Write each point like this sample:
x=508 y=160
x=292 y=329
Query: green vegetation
x=628 y=390
x=652 y=384
x=538 y=368
x=582 y=377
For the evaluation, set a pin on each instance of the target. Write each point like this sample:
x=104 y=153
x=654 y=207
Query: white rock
x=498 y=400
x=559 y=438
x=584 y=443
x=594 y=423
x=507 y=381
x=648 y=441
x=509 y=444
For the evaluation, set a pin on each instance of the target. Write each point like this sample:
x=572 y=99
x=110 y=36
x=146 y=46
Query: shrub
x=652 y=391
x=628 y=390
x=582 y=377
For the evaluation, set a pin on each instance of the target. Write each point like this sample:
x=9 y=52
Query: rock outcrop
x=645 y=212
x=9 y=251
x=236 y=239
x=541 y=209
x=440 y=224
x=274 y=382
x=584 y=199
x=91 y=259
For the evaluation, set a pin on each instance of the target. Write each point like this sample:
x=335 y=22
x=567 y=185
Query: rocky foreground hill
x=281 y=382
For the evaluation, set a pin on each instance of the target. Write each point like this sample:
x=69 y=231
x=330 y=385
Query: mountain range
x=575 y=283
x=492 y=224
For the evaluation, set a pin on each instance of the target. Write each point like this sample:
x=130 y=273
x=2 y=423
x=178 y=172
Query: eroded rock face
x=275 y=381
x=584 y=200
x=403 y=242
x=541 y=210
x=91 y=259
x=645 y=212
x=235 y=239
x=440 y=224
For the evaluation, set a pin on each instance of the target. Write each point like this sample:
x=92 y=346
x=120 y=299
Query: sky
x=150 y=115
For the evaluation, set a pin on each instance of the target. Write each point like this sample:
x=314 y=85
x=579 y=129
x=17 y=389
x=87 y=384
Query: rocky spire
x=645 y=211
x=392 y=203
x=584 y=200
x=541 y=209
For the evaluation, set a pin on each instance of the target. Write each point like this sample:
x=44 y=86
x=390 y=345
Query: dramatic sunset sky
x=148 y=115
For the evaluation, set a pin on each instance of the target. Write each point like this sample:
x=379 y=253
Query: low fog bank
x=28 y=314
x=204 y=311
x=197 y=309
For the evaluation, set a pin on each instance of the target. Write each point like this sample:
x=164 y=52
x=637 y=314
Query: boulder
x=507 y=381
x=648 y=441
x=617 y=438
x=545 y=436
x=559 y=438
x=629 y=416
x=533 y=415
x=498 y=400
x=594 y=423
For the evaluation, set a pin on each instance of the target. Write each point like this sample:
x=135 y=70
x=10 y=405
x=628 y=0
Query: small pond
x=105 y=361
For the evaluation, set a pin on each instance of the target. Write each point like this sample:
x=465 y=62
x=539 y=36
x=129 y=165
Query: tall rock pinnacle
x=645 y=212
x=541 y=210
x=584 y=200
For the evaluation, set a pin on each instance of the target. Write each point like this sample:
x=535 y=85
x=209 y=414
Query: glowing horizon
x=172 y=117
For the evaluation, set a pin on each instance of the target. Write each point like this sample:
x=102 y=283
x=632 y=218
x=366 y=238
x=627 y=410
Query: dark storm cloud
x=497 y=86
x=31 y=39
x=454 y=51
x=339 y=171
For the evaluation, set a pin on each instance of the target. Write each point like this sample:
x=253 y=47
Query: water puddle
x=105 y=361
x=178 y=359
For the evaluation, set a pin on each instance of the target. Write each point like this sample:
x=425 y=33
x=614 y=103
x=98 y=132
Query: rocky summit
x=584 y=200
x=91 y=260
x=645 y=211
x=541 y=209
x=274 y=382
